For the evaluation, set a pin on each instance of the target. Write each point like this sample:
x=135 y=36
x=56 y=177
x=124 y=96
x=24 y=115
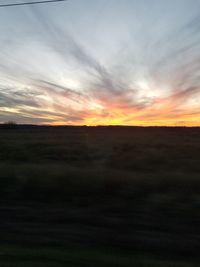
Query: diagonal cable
x=31 y=3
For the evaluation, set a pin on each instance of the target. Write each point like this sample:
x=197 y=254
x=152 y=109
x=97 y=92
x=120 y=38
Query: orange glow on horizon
x=175 y=109
x=133 y=117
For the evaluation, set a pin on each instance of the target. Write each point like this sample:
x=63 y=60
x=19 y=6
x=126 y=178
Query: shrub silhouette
x=10 y=125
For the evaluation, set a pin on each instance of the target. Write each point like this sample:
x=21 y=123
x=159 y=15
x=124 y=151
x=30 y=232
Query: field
x=99 y=196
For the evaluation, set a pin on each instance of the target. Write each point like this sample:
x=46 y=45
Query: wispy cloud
x=57 y=74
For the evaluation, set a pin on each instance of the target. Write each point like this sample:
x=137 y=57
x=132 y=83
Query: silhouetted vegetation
x=9 y=125
x=111 y=196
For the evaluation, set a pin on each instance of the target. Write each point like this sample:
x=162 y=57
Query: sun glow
x=162 y=111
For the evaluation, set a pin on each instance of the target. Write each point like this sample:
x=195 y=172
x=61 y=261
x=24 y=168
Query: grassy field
x=112 y=196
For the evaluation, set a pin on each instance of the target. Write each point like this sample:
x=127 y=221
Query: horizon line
x=85 y=125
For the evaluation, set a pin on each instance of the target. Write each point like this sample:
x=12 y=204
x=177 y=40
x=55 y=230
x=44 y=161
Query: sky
x=101 y=62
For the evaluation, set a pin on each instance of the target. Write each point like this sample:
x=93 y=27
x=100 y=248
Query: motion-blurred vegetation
x=117 y=196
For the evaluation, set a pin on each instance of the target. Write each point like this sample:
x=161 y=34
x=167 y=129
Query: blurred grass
x=19 y=178
x=135 y=149
x=40 y=256
x=132 y=189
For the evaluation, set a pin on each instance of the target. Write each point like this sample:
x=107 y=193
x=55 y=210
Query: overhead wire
x=31 y=3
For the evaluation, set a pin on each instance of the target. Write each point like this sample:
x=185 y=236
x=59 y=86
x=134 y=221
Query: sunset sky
x=101 y=62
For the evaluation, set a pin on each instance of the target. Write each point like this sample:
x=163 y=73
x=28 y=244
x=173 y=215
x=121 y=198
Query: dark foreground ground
x=99 y=196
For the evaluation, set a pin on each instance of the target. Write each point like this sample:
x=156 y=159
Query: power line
x=31 y=3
